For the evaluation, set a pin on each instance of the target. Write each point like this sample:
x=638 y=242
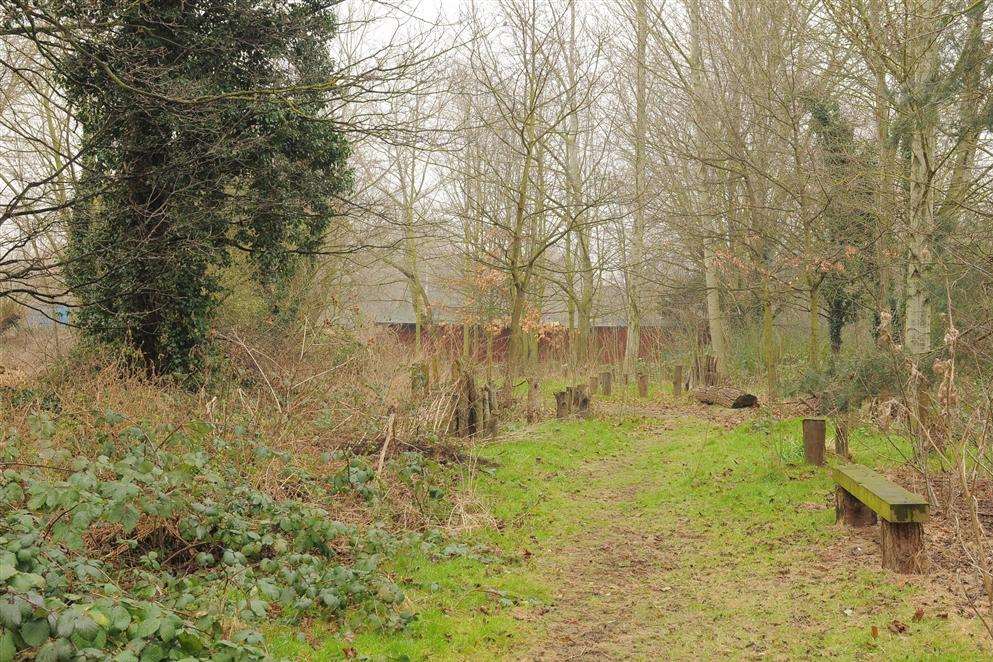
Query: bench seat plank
x=890 y=501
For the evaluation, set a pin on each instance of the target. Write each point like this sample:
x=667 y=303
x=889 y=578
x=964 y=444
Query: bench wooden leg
x=851 y=511
x=903 y=547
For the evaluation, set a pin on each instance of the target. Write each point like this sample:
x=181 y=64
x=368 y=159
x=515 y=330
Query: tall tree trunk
x=715 y=317
x=585 y=310
x=471 y=186
x=883 y=194
x=515 y=262
x=769 y=344
x=570 y=301
x=515 y=341
x=917 y=321
x=632 y=345
x=418 y=296
x=584 y=302
x=814 y=341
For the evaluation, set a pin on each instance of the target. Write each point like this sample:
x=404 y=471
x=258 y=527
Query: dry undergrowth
x=313 y=394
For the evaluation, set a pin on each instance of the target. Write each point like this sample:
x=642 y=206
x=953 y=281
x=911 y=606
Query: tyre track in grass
x=611 y=590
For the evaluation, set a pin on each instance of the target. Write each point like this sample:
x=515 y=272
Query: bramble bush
x=145 y=554
x=853 y=377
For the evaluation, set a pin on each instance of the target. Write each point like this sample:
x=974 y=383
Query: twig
x=35 y=466
x=390 y=431
x=258 y=367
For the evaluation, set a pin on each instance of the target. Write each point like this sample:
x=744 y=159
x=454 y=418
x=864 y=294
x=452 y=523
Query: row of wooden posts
x=575 y=400
x=703 y=373
x=604 y=382
x=473 y=407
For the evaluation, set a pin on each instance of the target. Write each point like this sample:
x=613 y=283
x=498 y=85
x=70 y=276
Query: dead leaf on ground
x=897 y=627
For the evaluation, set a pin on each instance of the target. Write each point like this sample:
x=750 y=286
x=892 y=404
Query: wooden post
x=486 y=415
x=594 y=384
x=606 y=382
x=813 y=440
x=562 y=404
x=841 y=436
x=642 y=385
x=533 y=399
x=851 y=511
x=624 y=376
x=677 y=381
x=903 y=547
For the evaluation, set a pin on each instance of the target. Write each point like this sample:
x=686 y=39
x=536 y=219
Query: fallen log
x=725 y=396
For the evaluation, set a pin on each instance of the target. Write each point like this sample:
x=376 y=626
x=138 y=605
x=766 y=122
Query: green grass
x=744 y=559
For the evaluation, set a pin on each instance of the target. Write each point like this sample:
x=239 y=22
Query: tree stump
x=606 y=382
x=594 y=384
x=813 y=440
x=642 y=385
x=851 y=511
x=704 y=372
x=677 y=381
x=903 y=547
x=562 y=402
x=467 y=409
x=579 y=400
x=533 y=401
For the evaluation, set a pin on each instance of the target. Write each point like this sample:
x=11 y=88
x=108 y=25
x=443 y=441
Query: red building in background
x=608 y=341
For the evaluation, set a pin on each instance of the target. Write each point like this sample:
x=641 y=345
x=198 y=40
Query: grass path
x=647 y=538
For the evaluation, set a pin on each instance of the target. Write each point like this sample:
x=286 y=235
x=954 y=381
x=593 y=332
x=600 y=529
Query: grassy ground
x=652 y=536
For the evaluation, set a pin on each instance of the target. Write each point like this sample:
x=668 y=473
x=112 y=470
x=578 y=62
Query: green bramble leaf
x=35 y=632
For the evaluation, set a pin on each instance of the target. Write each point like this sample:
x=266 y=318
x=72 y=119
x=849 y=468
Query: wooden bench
x=863 y=495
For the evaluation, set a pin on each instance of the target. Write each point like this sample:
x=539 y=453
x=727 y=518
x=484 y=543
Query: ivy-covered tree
x=848 y=217
x=209 y=121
